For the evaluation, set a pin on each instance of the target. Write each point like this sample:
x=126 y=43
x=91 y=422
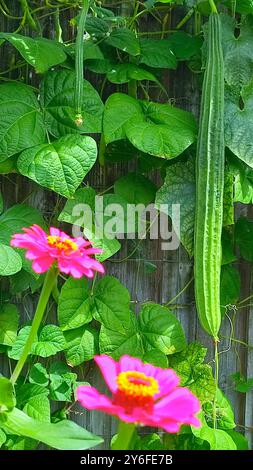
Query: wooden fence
x=174 y=268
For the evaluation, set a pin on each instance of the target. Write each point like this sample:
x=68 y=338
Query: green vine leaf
x=224 y=412
x=195 y=375
x=38 y=408
x=7 y=396
x=114 y=120
x=230 y=286
x=116 y=344
x=111 y=301
x=239 y=124
x=157 y=54
x=157 y=129
x=21 y=122
x=161 y=329
x=238 y=51
x=179 y=188
x=217 y=438
x=57 y=100
x=10 y=261
x=9 y=319
x=125 y=40
x=19 y=344
x=62 y=381
x=74 y=307
x=60 y=166
x=50 y=341
x=64 y=435
x=81 y=345
x=135 y=189
x=123 y=73
x=14 y=219
x=39 y=52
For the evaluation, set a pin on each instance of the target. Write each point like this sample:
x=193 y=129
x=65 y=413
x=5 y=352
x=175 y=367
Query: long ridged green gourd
x=210 y=185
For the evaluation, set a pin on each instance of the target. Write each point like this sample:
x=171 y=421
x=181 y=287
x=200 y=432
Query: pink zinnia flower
x=142 y=394
x=73 y=255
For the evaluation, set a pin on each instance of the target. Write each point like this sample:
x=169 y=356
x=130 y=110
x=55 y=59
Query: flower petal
x=128 y=363
x=109 y=370
x=91 y=399
x=41 y=265
x=167 y=380
x=179 y=406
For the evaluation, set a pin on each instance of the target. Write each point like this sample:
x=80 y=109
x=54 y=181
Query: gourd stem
x=79 y=58
x=216 y=378
x=213 y=6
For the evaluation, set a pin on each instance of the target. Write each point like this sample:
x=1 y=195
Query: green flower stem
x=48 y=285
x=124 y=437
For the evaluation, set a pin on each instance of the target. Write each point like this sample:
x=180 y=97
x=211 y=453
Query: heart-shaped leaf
x=58 y=98
x=161 y=130
x=74 y=309
x=41 y=53
x=9 y=318
x=239 y=124
x=60 y=166
x=21 y=122
x=10 y=261
x=161 y=329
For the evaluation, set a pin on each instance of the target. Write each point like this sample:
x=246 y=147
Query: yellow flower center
x=62 y=244
x=137 y=384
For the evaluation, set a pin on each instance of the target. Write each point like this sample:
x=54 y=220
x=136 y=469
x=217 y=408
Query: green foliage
x=193 y=373
x=157 y=54
x=158 y=129
x=10 y=261
x=216 y=438
x=179 y=188
x=161 y=329
x=230 y=285
x=224 y=412
x=241 y=384
x=239 y=124
x=84 y=199
x=60 y=166
x=24 y=127
x=57 y=100
x=39 y=52
x=238 y=56
x=81 y=345
x=135 y=189
x=125 y=40
x=64 y=435
x=50 y=341
x=9 y=319
x=123 y=73
x=14 y=219
x=74 y=307
x=7 y=398
x=43 y=122
x=243 y=237
x=18 y=345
